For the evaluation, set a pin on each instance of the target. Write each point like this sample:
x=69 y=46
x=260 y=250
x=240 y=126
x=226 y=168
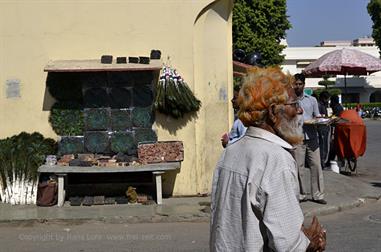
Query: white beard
x=291 y=130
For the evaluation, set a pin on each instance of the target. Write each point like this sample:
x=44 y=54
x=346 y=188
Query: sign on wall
x=13 y=88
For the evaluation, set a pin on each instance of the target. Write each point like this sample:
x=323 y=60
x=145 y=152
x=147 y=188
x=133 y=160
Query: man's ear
x=272 y=113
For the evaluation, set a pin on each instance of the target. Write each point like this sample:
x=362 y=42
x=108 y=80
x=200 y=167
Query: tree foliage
x=326 y=82
x=258 y=26
x=374 y=10
x=331 y=91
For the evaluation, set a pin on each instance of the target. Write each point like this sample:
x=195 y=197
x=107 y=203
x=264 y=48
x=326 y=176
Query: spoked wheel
x=341 y=162
x=352 y=164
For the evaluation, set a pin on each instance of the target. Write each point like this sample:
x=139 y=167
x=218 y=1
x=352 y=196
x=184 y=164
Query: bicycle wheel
x=352 y=163
x=341 y=162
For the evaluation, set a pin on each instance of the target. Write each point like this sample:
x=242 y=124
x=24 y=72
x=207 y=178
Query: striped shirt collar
x=268 y=136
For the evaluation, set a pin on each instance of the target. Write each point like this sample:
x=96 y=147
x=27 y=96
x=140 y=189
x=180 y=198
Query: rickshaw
x=350 y=139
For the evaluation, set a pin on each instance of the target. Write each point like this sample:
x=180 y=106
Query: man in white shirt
x=254 y=201
x=309 y=150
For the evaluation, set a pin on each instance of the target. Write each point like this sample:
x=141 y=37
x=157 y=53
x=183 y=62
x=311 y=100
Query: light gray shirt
x=254 y=201
x=310 y=108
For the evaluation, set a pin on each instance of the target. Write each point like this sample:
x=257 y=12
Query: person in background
x=324 y=130
x=323 y=103
x=254 y=200
x=337 y=108
x=309 y=150
x=238 y=129
x=359 y=109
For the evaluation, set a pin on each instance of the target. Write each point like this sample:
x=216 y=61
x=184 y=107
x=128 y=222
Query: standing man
x=323 y=103
x=309 y=151
x=324 y=130
x=238 y=129
x=254 y=201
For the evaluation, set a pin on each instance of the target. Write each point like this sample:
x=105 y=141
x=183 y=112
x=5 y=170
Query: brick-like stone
x=133 y=60
x=169 y=151
x=106 y=59
x=121 y=60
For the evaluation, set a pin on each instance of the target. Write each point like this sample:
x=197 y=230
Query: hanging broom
x=173 y=96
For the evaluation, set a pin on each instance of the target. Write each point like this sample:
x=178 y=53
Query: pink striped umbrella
x=343 y=62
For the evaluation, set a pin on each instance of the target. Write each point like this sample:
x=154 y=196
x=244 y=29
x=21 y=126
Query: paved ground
x=100 y=237
x=358 y=229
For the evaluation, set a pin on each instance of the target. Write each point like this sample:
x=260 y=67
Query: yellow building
x=194 y=34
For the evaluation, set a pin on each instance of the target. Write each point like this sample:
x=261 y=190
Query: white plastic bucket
x=335 y=167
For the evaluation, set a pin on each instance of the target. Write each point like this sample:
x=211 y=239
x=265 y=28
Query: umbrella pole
x=345 y=86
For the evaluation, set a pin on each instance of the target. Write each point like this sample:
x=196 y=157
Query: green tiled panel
x=96 y=97
x=120 y=97
x=142 y=117
x=122 y=142
x=120 y=119
x=142 y=96
x=97 y=119
x=71 y=145
x=145 y=135
x=97 y=142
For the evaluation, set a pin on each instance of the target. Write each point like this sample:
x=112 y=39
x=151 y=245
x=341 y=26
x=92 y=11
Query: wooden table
x=62 y=171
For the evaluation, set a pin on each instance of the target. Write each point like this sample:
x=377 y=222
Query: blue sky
x=316 y=20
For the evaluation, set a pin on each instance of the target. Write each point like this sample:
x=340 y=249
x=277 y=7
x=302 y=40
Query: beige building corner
x=194 y=37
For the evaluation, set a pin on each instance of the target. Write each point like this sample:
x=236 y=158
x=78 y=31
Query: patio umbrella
x=343 y=62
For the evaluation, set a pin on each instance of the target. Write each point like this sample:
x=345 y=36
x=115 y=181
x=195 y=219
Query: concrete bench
x=62 y=171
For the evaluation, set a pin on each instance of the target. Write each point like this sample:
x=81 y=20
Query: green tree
x=374 y=10
x=326 y=82
x=258 y=26
x=331 y=91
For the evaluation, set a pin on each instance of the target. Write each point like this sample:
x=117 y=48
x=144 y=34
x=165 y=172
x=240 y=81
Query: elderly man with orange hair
x=254 y=201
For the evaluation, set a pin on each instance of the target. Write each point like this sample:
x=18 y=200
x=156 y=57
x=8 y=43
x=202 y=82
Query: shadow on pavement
x=376 y=184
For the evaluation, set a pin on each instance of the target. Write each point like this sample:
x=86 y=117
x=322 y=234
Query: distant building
x=334 y=43
x=367 y=41
x=364 y=42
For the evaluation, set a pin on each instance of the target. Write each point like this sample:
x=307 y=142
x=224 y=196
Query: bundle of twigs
x=173 y=96
x=20 y=157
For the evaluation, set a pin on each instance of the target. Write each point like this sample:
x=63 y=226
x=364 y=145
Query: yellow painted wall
x=194 y=34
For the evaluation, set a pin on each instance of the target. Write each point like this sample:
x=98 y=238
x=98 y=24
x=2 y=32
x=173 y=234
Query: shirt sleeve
x=315 y=105
x=282 y=215
x=237 y=131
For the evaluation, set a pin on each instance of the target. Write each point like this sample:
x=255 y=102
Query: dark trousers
x=324 y=133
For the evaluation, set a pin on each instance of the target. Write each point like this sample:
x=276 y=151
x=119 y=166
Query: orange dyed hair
x=261 y=88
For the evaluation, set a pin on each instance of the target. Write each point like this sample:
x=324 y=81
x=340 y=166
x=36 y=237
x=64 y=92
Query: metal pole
x=345 y=86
